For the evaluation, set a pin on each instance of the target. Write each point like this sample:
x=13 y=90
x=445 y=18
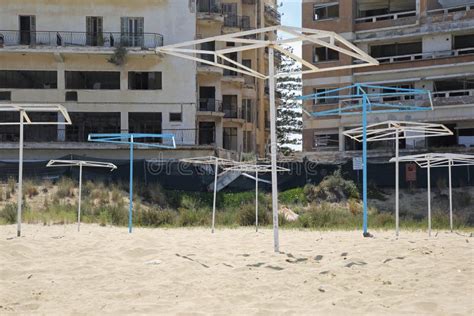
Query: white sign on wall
x=357 y=163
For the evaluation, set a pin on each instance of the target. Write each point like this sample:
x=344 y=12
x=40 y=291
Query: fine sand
x=56 y=270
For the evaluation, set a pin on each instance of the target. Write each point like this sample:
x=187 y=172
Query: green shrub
x=65 y=188
x=333 y=188
x=246 y=216
x=194 y=217
x=11 y=185
x=9 y=213
x=157 y=217
x=30 y=189
x=292 y=196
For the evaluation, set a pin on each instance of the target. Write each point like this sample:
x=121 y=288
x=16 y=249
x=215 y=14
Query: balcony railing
x=209 y=7
x=237 y=21
x=273 y=13
x=209 y=105
x=79 y=39
x=446 y=11
x=183 y=136
x=384 y=17
x=430 y=55
x=453 y=93
x=232 y=113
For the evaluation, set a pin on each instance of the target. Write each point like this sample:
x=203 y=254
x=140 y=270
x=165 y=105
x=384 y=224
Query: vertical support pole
x=216 y=171
x=450 y=197
x=130 y=207
x=273 y=141
x=397 y=184
x=429 y=198
x=80 y=198
x=256 y=199
x=364 y=163
x=20 y=177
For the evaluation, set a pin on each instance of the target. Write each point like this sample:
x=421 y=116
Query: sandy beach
x=56 y=270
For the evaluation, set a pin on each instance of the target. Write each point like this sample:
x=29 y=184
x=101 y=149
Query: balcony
x=272 y=16
x=386 y=20
x=56 y=39
x=210 y=107
x=233 y=77
x=453 y=97
x=209 y=11
x=233 y=23
x=233 y=113
x=449 y=10
x=424 y=56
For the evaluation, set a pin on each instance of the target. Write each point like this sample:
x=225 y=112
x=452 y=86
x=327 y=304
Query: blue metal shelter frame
x=130 y=139
x=368 y=103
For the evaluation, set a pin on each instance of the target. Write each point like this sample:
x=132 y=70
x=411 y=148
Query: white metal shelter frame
x=80 y=164
x=255 y=39
x=435 y=160
x=396 y=130
x=256 y=168
x=25 y=110
x=216 y=162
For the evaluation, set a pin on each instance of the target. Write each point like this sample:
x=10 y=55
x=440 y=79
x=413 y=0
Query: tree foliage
x=289 y=115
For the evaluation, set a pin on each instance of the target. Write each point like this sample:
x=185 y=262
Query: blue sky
x=291 y=16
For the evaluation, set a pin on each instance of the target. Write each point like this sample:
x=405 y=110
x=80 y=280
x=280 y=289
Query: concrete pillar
x=421 y=8
x=124 y=122
x=342 y=140
x=240 y=139
x=219 y=134
x=61 y=91
x=123 y=80
x=61 y=77
x=61 y=129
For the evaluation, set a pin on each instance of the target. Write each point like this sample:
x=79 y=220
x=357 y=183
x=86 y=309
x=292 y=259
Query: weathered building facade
x=425 y=44
x=98 y=59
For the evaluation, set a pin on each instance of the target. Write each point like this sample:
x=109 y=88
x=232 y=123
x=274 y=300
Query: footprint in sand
x=274 y=268
x=256 y=265
x=318 y=258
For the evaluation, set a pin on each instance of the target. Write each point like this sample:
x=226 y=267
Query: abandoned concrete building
x=98 y=59
x=425 y=44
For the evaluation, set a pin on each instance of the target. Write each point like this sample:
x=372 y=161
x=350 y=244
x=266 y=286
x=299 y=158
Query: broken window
x=454 y=84
x=93 y=80
x=325 y=140
x=84 y=123
x=466 y=137
x=400 y=95
x=326 y=98
x=463 y=41
x=28 y=79
x=141 y=122
x=230 y=138
x=397 y=49
x=144 y=80
x=325 y=11
x=33 y=133
x=367 y=8
x=324 y=54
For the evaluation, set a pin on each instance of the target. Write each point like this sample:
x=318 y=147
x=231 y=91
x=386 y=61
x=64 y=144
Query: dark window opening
x=248 y=136
x=207 y=99
x=445 y=141
x=208 y=6
x=463 y=41
x=32 y=133
x=330 y=97
x=466 y=137
x=27 y=29
x=227 y=72
x=209 y=46
x=230 y=138
x=324 y=54
x=141 y=122
x=144 y=80
x=132 y=31
x=71 y=95
x=454 y=84
x=400 y=95
x=93 y=80
x=84 y=123
x=326 y=11
x=176 y=117
x=206 y=133
x=5 y=95
x=94 y=36
x=229 y=106
x=397 y=49
x=325 y=140
x=28 y=79
x=367 y=8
